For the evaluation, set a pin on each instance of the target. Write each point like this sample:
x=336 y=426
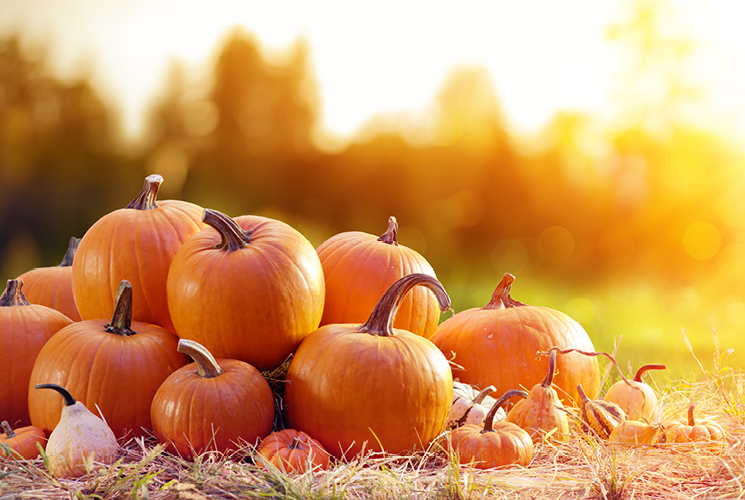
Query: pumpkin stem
x=582 y=394
x=390 y=235
x=641 y=371
x=207 y=366
x=380 y=321
x=501 y=299
x=9 y=433
x=121 y=322
x=13 y=296
x=691 y=420
x=72 y=247
x=489 y=418
x=146 y=199
x=233 y=237
x=481 y=395
x=551 y=369
x=296 y=443
x=69 y=400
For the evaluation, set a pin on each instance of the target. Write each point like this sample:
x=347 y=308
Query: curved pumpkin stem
x=207 y=366
x=7 y=429
x=582 y=394
x=69 y=400
x=380 y=321
x=232 y=236
x=390 y=235
x=13 y=296
x=691 y=420
x=121 y=321
x=146 y=199
x=501 y=299
x=551 y=369
x=72 y=247
x=641 y=371
x=489 y=418
x=481 y=395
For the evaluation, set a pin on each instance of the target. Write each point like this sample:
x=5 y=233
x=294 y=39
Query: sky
x=385 y=56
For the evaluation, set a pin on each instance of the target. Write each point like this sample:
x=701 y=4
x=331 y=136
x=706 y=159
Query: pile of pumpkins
x=154 y=285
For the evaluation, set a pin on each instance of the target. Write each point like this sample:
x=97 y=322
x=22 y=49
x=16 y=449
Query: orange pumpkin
x=705 y=434
x=635 y=397
x=359 y=267
x=114 y=365
x=22 y=442
x=211 y=405
x=24 y=329
x=52 y=286
x=291 y=450
x=371 y=386
x=137 y=244
x=497 y=345
x=503 y=444
x=249 y=288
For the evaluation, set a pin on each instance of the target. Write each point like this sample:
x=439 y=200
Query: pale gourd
x=470 y=406
x=79 y=441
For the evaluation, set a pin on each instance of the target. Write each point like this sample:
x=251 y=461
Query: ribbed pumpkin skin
x=237 y=403
x=498 y=347
x=358 y=268
x=134 y=245
x=51 y=287
x=22 y=442
x=291 y=450
x=344 y=382
x=24 y=329
x=118 y=373
x=255 y=304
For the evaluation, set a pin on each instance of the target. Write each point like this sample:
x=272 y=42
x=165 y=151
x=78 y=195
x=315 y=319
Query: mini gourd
x=21 y=442
x=636 y=433
x=469 y=405
x=598 y=417
x=704 y=433
x=291 y=450
x=80 y=439
x=635 y=397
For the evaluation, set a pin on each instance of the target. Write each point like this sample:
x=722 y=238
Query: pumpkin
x=371 y=386
x=21 y=442
x=211 y=405
x=705 y=433
x=598 y=418
x=291 y=450
x=249 y=288
x=137 y=244
x=79 y=440
x=541 y=413
x=114 y=365
x=497 y=345
x=52 y=286
x=358 y=267
x=635 y=397
x=468 y=409
x=499 y=445
x=24 y=329
x=636 y=433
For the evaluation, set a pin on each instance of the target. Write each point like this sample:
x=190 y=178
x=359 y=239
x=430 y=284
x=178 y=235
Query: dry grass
x=582 y=468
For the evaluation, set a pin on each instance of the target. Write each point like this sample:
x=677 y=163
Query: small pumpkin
x=541 y=413
x=211 y=405
x=137 y=244
x=496 y=345
x=371 y=386
x=358 y=268
x=52 y=286
x=635 y=397
x=116 y=365
x=24 y=329
x=21 y=442
x=636 y=433
x=499 y=445
x=79 y=440
x=702 y=433
x=291 y=450
x=469 y=407
x=597 y=417
x=249 y=288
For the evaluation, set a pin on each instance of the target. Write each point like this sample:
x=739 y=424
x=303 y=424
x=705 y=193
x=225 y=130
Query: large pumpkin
x=137 y=244
x=52 y=286
x=497 y=345
x=114 y=365
x=249 y=288
x=359 y=267
x=371 y=386
x=24 y=329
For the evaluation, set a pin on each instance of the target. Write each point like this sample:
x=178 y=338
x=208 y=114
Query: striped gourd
x=598 y=417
